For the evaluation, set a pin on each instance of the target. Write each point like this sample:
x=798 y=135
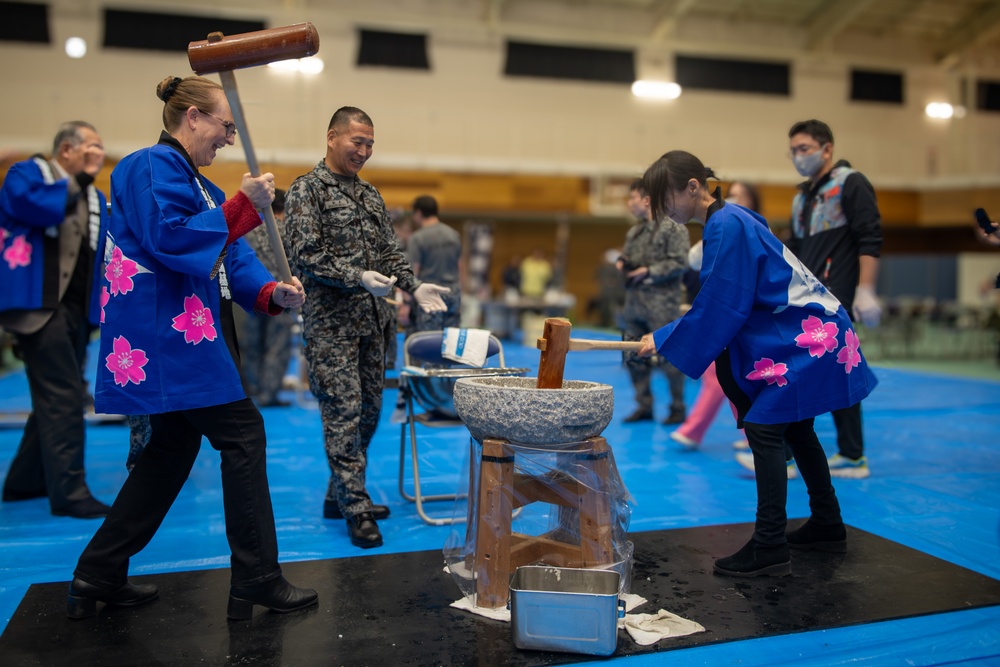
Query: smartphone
x=984 y=220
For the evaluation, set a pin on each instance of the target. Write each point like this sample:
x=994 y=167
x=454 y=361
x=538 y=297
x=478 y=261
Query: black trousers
x=236 y=430
x=49 y=460
x=850 y=441
x=767 y=442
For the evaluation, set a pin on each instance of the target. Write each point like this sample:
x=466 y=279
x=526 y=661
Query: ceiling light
x=940 y=110
x=311 y=65
x=76 y=47
x=656 y=90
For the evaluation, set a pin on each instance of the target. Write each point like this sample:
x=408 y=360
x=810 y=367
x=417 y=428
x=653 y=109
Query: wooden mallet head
x=553 y=360
x=250 y=49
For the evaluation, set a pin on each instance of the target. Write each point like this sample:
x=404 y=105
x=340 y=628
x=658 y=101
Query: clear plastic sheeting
x=562 y=505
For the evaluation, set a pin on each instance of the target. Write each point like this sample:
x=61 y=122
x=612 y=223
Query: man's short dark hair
x=816 y=129
x=638 y=186
x=344 y=115
x=426 y=205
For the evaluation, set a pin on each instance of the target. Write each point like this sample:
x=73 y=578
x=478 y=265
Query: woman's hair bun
x=167 y=88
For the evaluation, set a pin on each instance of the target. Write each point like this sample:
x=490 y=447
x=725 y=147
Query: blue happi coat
x=162 y=346
x=32 y=206
x=792 y=349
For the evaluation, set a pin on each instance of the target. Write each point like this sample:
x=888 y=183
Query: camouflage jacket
x=335 y=230
x=663 y=248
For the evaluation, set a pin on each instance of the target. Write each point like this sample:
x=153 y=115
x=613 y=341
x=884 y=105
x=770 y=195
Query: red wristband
x=264 y=303
x=241 y=217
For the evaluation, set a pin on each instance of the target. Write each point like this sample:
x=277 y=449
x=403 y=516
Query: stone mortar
x=514 y=409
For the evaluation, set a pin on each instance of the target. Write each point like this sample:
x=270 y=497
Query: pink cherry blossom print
x=766 y=369
x=126 y=363
x=818 y=337
x=849 y=354
x=196 y=321
x=119 y=272
x=18 y=253
x=105 y=297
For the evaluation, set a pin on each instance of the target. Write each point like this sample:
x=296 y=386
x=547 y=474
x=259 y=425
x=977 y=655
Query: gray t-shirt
x=436 y=249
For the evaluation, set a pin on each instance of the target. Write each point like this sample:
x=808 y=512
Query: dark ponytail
x=670 y=174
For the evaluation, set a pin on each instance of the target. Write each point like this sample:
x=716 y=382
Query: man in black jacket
x=837 y=234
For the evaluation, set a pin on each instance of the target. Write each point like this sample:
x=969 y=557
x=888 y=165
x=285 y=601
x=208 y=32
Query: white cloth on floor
x=648 y=629
x=466 y=346
x=498 y=614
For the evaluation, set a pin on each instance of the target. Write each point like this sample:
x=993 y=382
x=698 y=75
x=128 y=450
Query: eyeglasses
x=803 y=149
x=230 y=127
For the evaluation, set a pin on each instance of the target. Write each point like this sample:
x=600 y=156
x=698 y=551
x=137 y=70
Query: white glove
x=866 y=307
x=376 y=283
x=695 y=255
x=428 y=297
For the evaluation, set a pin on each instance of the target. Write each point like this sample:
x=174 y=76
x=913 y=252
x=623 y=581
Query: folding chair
x=428 y=380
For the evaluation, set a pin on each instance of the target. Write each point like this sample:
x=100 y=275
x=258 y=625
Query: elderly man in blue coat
x=52 y=222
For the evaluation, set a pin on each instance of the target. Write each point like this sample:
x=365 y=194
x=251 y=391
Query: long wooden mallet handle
x=223 y=55
x=576 y=344
x=233 y=95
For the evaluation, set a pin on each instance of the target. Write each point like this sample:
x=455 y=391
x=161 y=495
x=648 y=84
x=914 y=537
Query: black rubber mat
x=394 y=609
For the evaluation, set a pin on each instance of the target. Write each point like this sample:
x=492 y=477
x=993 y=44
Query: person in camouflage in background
x=266 y=342
x=339 y=238
x=653 y=262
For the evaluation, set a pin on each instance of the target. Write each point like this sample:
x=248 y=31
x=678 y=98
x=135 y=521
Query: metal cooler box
x=565 y=609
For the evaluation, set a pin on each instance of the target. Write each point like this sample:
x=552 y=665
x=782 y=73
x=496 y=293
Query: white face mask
x=809 y=165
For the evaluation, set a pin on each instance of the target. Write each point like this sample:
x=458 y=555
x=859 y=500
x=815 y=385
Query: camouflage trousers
x=346 y=374
x=265 y=350
x=640 y=371
x=139 y=432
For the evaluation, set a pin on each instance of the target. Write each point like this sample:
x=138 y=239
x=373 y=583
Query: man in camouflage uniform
x=653 y=262
x=340 y=240
x=266 y=342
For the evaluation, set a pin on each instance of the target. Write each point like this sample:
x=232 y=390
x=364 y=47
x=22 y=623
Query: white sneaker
x=398 y=415
x=741 y=444
x=841 y=466
x=683 y=440
x=745 y=459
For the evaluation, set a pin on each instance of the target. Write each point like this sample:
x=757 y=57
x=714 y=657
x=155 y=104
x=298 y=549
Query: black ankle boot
x=331 y=510
x=364 y=531
x=813 y=537
x=277 y=595
x=83 y=597
x=756 y=560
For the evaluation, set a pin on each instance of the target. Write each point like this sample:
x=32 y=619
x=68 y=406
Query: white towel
x=466 y=346
x=648 y=629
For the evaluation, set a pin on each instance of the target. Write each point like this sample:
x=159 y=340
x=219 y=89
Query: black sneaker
x=756 y=560
x=813 y=537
